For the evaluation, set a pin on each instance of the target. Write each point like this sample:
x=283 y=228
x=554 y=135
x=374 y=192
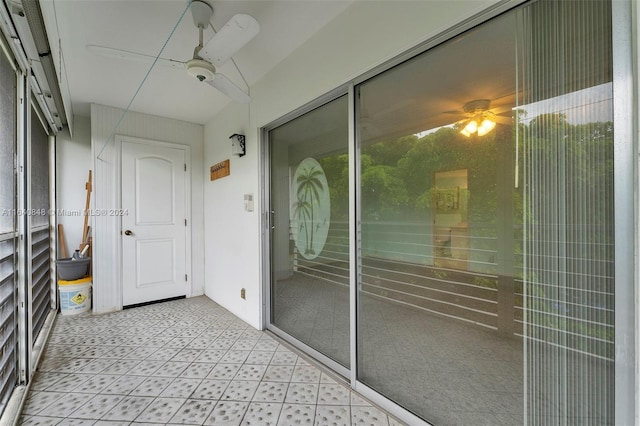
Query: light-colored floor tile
x=305 y=374
x=197 y=370
x=120 y=366
x=96 y=383
x=171 y=369
x=302 y=393
x=335 y=415
x=270 y=392
x=251 y=372
x=224 y=371
x=193 y=412
x=187 y=355
x=152 y=386
x=227 y=413
x=39 y=420
x=234 y=357
x=259 y=357
x=42 y=380
x=161 y=410
x=266 y=345
x=361 y=415
x=69 y=382
x=181 y=388
x=163 y=354
x=244 y=344
x=97 y=407
x=98 y=365
x=124 y=385
x=66 y=405
x=37 y=401
x=240 y=390
x=284 y=357
x=145 y=368
x=76 y=422
x=128 y=408
x=278 y=373
x=210 y=355
x=297 y=414
x=333 y=395
x=210 y=389
x=262 y=414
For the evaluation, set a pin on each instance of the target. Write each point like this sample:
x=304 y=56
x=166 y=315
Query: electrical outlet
x=243 y=293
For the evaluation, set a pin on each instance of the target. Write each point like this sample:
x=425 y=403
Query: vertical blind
x=566 y=144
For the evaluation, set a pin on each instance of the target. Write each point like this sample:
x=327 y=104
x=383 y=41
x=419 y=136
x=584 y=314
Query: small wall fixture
x=237 y=145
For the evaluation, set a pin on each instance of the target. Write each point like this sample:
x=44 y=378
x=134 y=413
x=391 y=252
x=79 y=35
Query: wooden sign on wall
x=220 y=170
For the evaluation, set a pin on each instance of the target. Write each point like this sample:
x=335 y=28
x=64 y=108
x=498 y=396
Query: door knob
x=128 y=232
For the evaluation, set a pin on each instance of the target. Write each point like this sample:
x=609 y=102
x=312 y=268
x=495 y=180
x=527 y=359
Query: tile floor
x=186 y=362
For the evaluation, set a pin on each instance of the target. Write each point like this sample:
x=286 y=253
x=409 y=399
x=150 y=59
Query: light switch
x=248 y=202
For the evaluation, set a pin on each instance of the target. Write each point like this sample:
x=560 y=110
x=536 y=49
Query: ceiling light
x=478 y=112
x=486 y=126
x=470 y=128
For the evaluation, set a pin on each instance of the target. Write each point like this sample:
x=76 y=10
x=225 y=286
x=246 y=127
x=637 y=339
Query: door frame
x=119 y=139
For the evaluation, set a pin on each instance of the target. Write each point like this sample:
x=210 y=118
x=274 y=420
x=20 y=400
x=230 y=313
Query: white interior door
x=154 y=222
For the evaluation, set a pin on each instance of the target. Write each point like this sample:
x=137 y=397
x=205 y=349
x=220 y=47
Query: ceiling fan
x=236 y=33
x=480 y=117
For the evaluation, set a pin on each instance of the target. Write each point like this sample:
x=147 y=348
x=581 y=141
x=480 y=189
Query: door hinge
x=185 y=222
x=185 y=167
x=186 y=277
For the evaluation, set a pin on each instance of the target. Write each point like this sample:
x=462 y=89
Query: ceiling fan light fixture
x=470 y=128
x=479 y=112
x=201 y=69
x=486 y=126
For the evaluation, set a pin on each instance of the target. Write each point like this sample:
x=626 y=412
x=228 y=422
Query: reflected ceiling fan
x=236 y=33
x=480 y=118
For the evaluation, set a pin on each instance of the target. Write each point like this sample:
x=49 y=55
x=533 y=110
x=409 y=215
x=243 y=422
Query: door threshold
x=153 y=302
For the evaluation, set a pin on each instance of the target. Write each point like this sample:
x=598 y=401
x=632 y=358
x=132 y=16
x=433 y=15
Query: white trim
x=626 y=296
x=53 y=229
x=24 y=246
x=119 y=140
x=354 y=226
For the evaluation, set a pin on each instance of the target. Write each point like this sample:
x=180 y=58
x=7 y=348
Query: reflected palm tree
x=309 y=187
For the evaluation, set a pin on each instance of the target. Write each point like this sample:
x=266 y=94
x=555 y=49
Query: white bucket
x=75 y=296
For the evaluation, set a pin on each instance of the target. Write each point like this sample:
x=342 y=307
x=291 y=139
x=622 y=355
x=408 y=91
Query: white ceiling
x=143 y=26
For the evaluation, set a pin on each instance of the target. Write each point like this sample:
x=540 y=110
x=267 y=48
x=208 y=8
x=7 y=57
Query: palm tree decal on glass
x=311 y=208
x=303 y=211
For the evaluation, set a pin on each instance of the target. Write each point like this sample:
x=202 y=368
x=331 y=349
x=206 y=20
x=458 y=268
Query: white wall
x=365 y=35
x=73 y=162
x=107 y=288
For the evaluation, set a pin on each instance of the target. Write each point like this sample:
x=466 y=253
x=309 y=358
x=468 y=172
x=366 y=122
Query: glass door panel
x=485 y=265
x=310 y=229
x=436 y=300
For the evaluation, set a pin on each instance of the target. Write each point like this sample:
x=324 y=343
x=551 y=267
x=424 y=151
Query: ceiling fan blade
x=503 y=120
x=232 y=37
x=133 y=56
x=502 y=109
x=227 y=87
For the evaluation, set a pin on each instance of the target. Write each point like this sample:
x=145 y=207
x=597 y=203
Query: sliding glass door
x=483 y=289
x=440 y=265
x=310 y=229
